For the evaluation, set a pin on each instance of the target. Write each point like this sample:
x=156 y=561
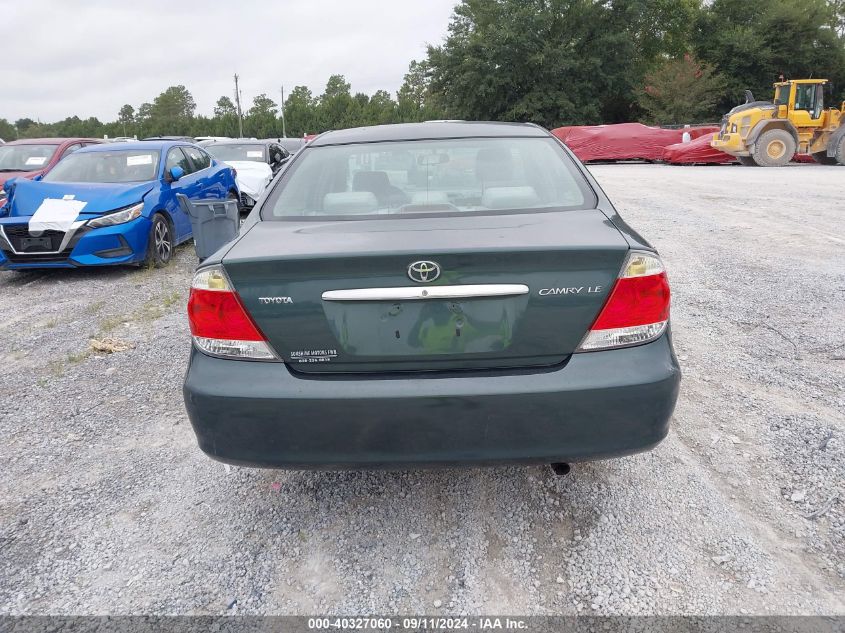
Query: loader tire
x=774 y=148
x=823 y=159
x=747 y=161
x=840 y=151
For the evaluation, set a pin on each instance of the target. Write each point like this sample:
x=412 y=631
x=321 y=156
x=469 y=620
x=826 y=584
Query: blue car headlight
x=117 y=217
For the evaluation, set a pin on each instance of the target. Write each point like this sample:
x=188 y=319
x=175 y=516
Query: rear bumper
x=600 y=404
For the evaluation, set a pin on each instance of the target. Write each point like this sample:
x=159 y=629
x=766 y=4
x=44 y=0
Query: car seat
x=378 y=184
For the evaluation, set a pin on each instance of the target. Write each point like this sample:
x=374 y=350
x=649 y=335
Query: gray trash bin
x=214 y=222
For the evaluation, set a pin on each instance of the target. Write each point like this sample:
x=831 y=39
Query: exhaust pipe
x=561 y=469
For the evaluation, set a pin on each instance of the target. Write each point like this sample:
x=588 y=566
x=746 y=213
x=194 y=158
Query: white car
x=255 y=162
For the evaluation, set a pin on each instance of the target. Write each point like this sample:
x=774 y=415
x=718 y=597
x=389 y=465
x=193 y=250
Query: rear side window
x=449 y=176
x=175 y=157
x=200 y=159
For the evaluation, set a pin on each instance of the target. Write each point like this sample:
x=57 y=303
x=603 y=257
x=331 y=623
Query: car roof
x=428 y=130
x=136 y=145
x=51 y=141
x=242 y=141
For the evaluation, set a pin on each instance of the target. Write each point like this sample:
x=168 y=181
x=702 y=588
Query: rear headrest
x=509 y=198
x=370 y=181
x=349 y=202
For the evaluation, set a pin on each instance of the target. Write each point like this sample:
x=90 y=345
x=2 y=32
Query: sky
x=89 y=57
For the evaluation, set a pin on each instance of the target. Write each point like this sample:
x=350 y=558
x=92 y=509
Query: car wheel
x=160 y=247
x=823 y=159
x=747 y=161
x=840 y=151
x=774 y=148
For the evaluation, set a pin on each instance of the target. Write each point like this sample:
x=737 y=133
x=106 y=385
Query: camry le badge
x=424 y=271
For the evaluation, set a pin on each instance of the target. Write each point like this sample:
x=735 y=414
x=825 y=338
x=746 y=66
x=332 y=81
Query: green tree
x=554 y=61
x=143 y=119
x=638 y=35
x=126 y=117
x=172 y=112
x=838 y=16
x=22 y=125
x=415 y=100
x=682 y=91
x=753 y=42
x=657 y=28
x=300 y=112
x=545 y=61
x=335 y=105
x=38 y=130
x=380 y=109
x=225 y=122
x=7 y=131
x=224 y=107
x=261 y=120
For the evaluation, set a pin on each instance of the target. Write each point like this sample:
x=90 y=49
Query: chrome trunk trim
x=417 y=293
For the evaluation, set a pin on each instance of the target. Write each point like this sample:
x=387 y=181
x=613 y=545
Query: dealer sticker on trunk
x=314 y=355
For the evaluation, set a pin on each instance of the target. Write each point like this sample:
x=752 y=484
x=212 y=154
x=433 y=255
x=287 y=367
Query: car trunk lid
x=513 y=290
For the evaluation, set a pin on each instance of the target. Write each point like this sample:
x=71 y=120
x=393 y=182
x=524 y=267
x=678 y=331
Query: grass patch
x=152 y=310
x=51 y=323
x=146 y=270
x=155 y=308
x=110 y=323
x=95 y=307
x=78 y=357
x=171 y=298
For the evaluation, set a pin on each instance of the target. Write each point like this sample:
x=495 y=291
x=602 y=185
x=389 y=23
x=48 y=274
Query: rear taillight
x=219 y=322
x=637 y=308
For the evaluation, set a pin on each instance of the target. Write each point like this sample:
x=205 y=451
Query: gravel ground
x=108 y=506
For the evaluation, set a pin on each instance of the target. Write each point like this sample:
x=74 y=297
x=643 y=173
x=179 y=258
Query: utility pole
x=240 y=114
x=284 y=131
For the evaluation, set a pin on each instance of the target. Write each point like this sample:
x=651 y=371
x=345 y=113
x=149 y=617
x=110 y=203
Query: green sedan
x=431 y=294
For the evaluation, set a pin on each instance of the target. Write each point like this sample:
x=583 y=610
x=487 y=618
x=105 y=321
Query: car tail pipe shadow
x=561 y=469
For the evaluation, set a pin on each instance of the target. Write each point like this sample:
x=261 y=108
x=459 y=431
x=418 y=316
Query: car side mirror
x=8 y=185
x=176 y=173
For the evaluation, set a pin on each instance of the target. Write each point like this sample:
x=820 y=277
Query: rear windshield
x=230 y=151
x=106 y=167
x=25 y=157
x=449 y=176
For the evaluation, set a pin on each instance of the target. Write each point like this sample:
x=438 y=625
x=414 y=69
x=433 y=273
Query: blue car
x=109 y=205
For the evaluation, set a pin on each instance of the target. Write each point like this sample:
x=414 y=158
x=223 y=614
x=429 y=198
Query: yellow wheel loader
x=769 y=134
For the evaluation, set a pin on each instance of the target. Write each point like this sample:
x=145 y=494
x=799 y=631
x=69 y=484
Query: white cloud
x=66 y=58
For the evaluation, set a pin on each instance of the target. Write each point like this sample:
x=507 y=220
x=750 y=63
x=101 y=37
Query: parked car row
x=470 y=275
x=68 y=202
x=104 y=203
